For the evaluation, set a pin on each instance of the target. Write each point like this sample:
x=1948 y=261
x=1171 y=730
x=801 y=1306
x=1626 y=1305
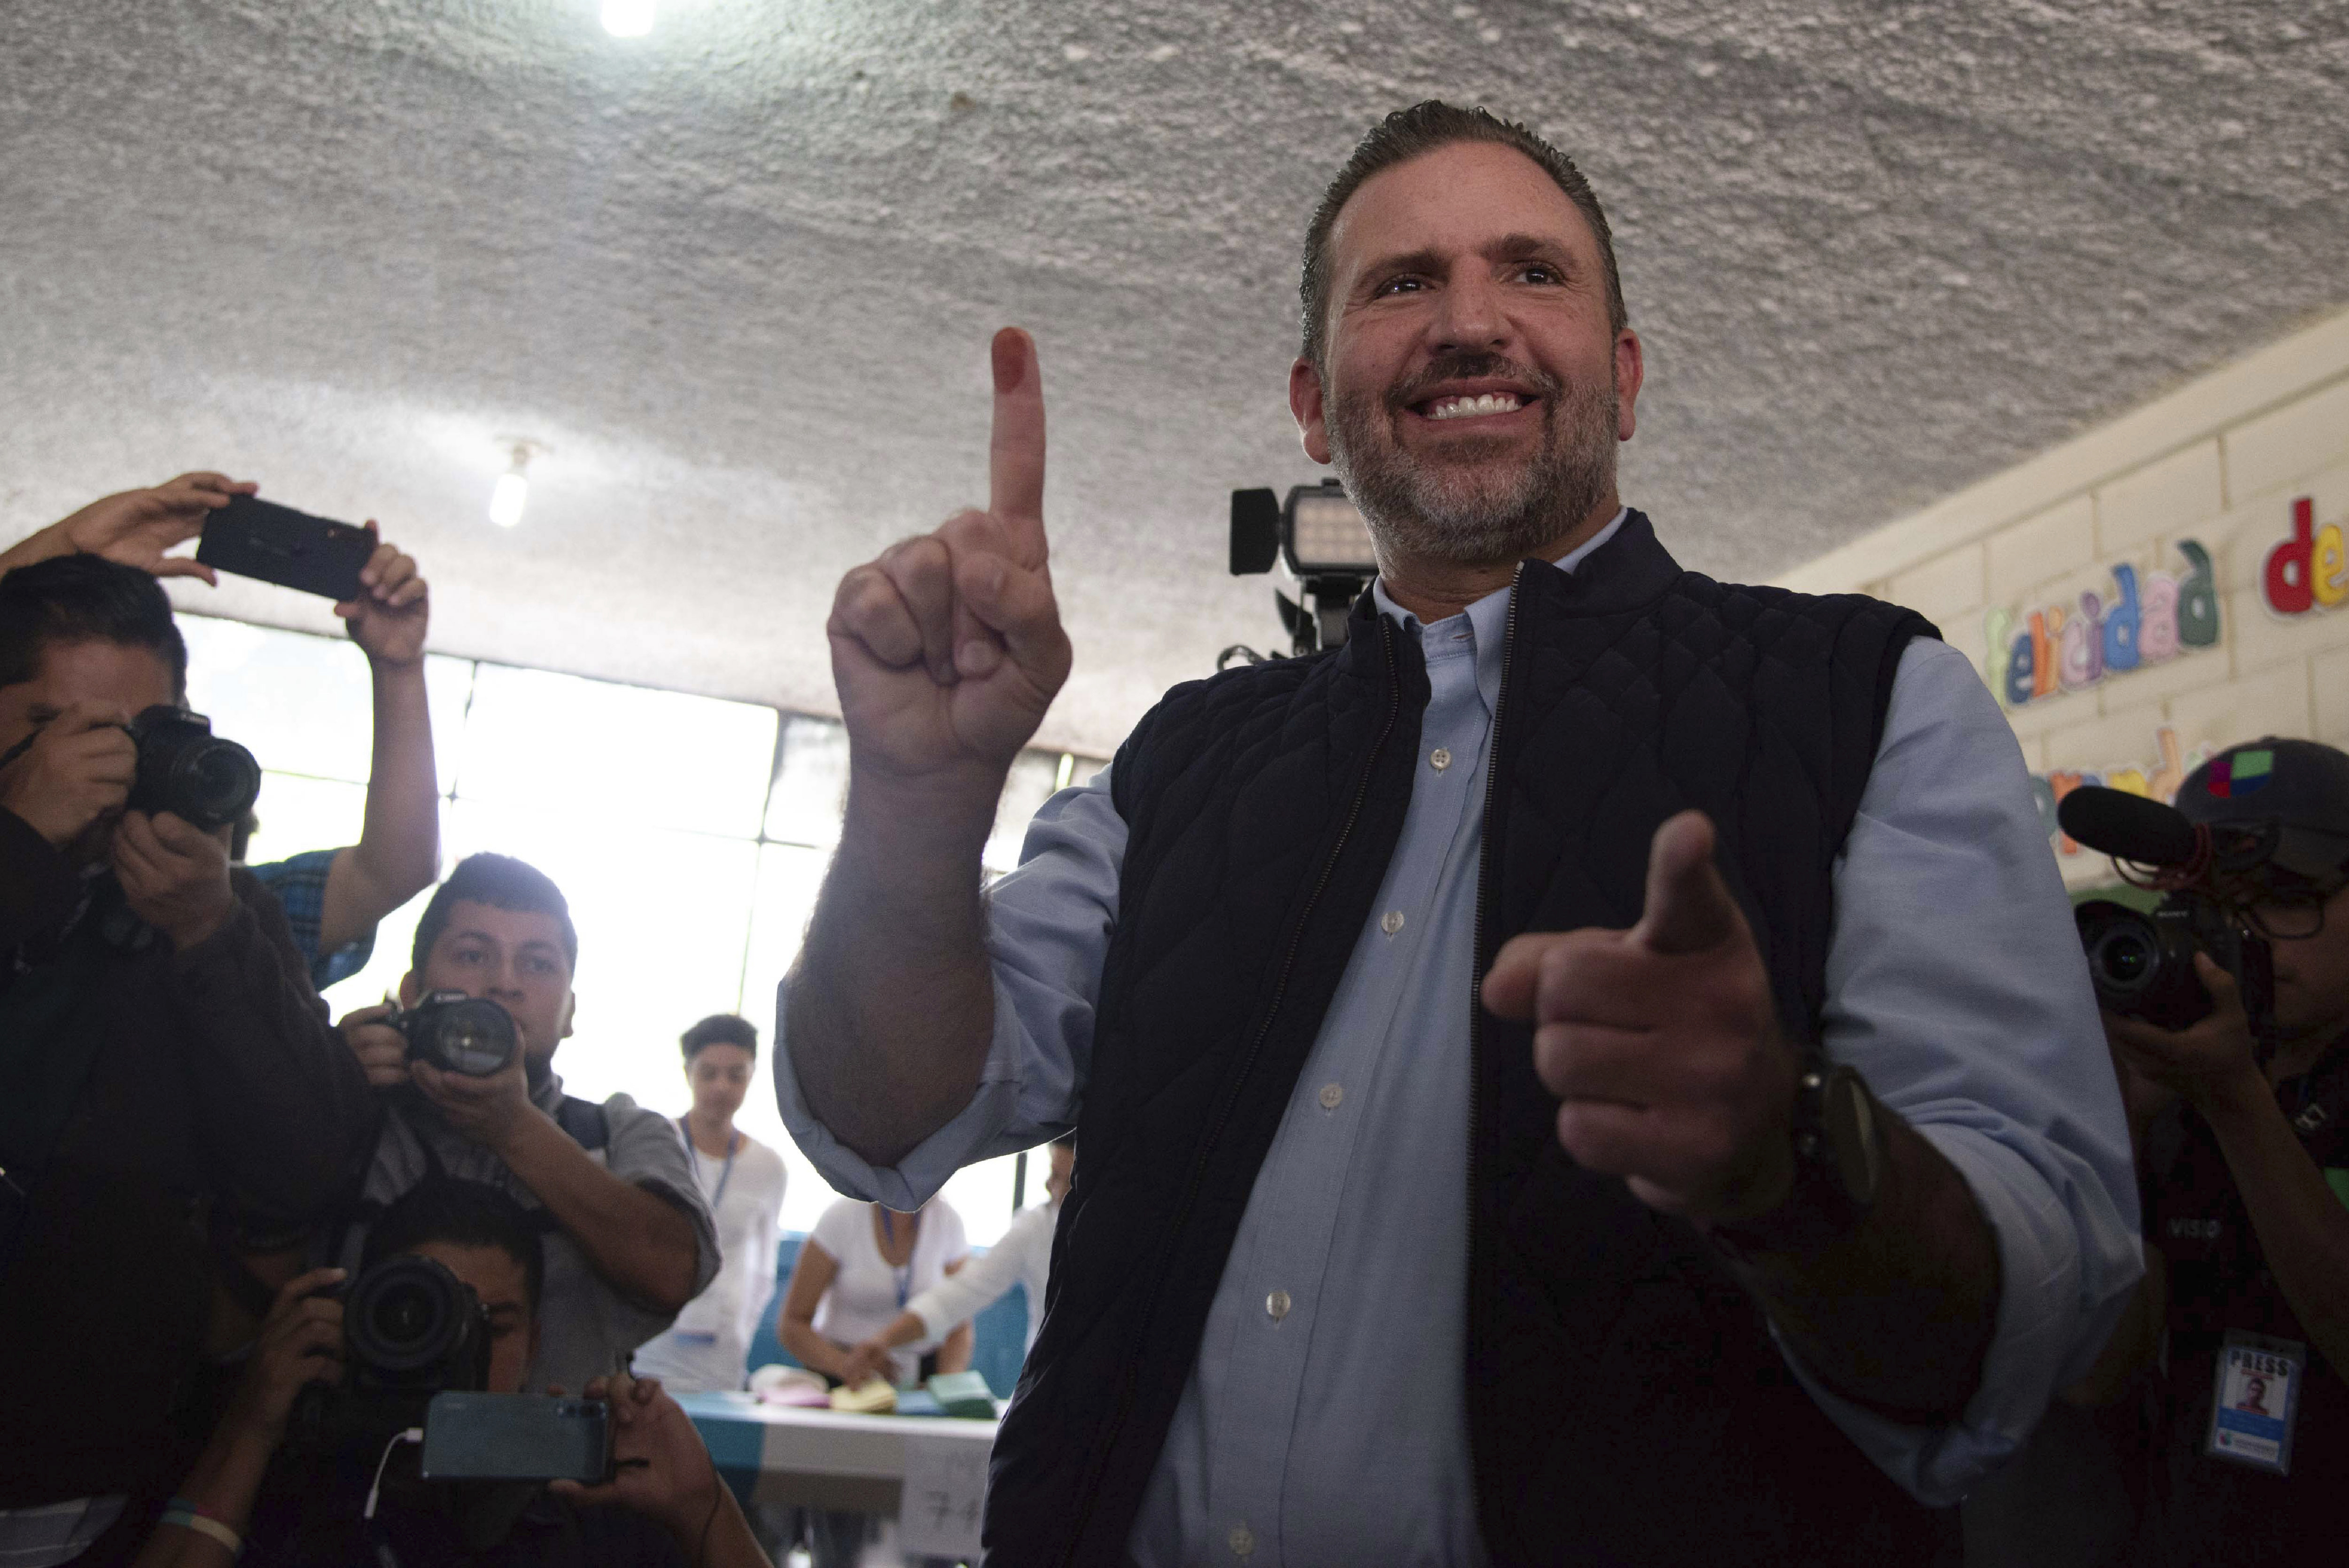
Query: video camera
x=459 y=1033
x=1320 y=536
x=2143 y=964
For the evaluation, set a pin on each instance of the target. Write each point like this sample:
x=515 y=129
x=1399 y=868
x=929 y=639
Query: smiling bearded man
x=1596 y=1069
x=1466 y=505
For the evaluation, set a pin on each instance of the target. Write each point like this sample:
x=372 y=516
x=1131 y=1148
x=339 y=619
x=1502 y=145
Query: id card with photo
x=2258 y=1399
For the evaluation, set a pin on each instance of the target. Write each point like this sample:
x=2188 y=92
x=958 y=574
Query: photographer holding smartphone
x=261 y=1493
x=333 y=898
x=162 y=1057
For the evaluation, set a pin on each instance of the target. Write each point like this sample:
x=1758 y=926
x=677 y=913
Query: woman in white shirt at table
x=1022 y=1257
x=708 y=1345
x=856 y=1271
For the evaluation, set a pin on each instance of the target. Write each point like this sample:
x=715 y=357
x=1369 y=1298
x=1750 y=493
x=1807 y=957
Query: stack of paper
x=877 y=1396
x=963 y=1394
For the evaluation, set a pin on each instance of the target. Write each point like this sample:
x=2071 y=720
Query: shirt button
x=1391 y=921
x=1331 y=1094
x=1242 y=1542
x=1439 y=759
x=1276 y=1305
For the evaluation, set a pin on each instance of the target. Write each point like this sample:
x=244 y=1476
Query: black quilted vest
x=1626 y=1404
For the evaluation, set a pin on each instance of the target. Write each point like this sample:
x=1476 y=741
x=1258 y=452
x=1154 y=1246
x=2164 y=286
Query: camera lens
x=406 y=1314
x=219 y=783
x=472 y=1036
x=2125 y=958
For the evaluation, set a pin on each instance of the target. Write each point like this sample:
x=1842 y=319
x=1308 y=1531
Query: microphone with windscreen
x=2129 y=826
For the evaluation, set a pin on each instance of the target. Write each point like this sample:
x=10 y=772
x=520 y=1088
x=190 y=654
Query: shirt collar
x=1485 y=615
x=1484 y=625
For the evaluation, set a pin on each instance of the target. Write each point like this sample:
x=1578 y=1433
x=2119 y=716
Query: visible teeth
x=1469 y=408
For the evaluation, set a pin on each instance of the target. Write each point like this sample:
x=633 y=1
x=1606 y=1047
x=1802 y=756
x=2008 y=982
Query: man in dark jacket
x=165 y=1067
x=1596 y=1070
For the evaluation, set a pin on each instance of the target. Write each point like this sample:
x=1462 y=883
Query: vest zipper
x=1485 y=885
x=1248 y=1065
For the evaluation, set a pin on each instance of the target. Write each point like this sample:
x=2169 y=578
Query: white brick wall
x=2219 y=462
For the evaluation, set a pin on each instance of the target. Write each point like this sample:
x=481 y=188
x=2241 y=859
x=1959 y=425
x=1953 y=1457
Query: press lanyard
x=725 y=1175
x=902 y=1277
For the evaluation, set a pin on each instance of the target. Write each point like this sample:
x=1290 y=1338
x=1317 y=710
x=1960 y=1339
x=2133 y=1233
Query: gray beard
x=1472 y=510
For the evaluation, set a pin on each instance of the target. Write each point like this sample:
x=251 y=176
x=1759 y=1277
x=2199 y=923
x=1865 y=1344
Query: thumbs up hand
x=1661 y=1042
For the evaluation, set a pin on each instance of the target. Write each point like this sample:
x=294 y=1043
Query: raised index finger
x=1015 y=457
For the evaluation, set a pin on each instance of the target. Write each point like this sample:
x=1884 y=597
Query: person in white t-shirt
x=1023 y=1257
x=856 y=1271
x=708 y=1345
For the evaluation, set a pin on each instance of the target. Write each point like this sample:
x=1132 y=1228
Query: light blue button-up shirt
x=1325 y=1419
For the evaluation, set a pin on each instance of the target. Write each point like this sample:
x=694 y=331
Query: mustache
x=1467 y=366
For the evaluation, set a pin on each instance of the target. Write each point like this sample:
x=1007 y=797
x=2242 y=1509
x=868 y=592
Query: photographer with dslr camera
x=332 y=899
x=312 y=1462
x=2238 y=1099
x=162 y=1060
x=464 y=1062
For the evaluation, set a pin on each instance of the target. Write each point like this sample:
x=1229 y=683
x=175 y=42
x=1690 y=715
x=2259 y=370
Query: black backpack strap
x=585 y=1120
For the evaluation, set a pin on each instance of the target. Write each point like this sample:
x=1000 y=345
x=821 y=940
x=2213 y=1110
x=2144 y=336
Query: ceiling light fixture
x=513 y=492
x=628 y=18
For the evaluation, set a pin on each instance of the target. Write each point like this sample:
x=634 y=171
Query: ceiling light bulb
x=628 y=18
x=513 y=492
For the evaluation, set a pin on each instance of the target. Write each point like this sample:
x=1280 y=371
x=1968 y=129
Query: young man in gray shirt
x=629 y=1239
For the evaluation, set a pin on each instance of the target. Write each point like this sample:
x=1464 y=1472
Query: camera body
x=413 y=1330
x=459 y=1034
x=184 y=768
x=2143 y=964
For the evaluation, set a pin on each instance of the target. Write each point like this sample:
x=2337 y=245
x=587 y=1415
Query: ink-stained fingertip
x=1010 y=359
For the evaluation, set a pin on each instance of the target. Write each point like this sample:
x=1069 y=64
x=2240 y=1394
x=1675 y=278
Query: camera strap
x=583 y=1119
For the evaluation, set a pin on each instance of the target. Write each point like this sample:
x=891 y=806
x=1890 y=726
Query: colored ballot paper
x=874 y=1396
x=945 y=1499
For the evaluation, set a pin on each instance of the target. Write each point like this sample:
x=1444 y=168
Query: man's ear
x=570 y=1006
x=1305 y=405
x=411 y=988
x=1630 y=371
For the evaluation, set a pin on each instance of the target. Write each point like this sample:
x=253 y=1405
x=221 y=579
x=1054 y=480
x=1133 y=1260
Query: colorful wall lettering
x=2158 y=780
x=2309 y=569
x=2060 y=647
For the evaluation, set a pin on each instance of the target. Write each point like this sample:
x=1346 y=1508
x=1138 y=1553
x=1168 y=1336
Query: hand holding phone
x=388 y=616
x=141 y=527
x=660 y=1468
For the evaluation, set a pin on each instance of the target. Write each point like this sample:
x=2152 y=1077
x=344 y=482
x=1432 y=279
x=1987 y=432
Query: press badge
x=2256 y=1400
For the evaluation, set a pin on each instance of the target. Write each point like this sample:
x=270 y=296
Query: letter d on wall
x=2286 y=581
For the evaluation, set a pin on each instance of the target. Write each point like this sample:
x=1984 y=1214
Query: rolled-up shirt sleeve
x=1048 y=925
x=1957 y=987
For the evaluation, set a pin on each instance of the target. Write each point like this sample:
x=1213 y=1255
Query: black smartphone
x=517 y=1437
x=260 y=539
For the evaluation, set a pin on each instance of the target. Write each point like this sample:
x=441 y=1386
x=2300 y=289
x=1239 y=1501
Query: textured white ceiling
x=738 y=274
